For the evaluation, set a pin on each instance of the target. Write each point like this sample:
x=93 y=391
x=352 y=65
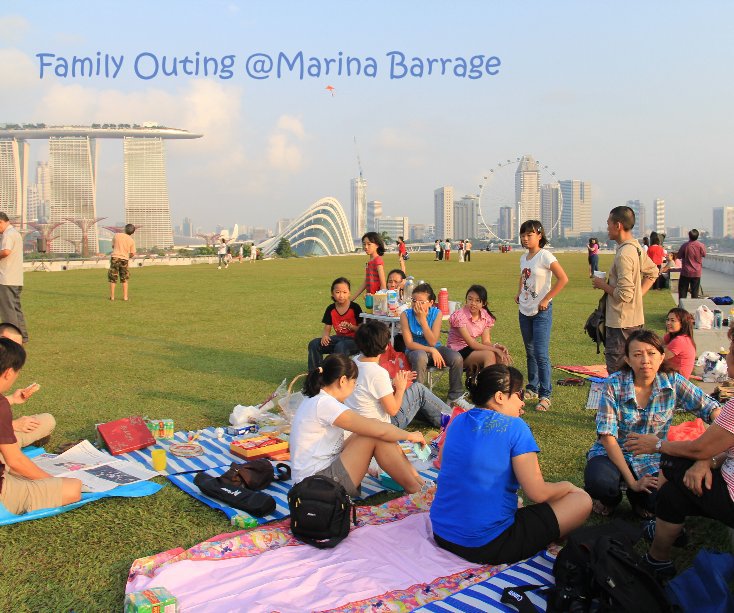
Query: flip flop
x=543 y=405
x=600 y=508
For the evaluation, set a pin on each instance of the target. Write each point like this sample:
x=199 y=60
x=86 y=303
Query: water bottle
x=717 y=318
x=443 y=300
x=368 y=301
x=392 y=301
x=408 y=289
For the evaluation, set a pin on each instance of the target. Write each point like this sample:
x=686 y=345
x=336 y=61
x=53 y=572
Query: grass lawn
x=195 y=341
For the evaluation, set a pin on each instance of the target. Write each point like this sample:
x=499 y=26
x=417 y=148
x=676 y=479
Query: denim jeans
x=419 y=398
x=603 y=482
x=420 y=361
x=337 y=344
x=536 y=331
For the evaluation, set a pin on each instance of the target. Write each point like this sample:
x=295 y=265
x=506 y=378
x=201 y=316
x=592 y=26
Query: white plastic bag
x=704 y=318
x=241 y=415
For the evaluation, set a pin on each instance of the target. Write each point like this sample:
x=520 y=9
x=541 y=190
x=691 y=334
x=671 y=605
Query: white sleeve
x=381 y=384
x=329 y=409
x=548 y=258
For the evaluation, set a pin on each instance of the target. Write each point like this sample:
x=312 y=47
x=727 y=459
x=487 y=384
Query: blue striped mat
x=485 y=596
x=277 y=489
x=216 y=453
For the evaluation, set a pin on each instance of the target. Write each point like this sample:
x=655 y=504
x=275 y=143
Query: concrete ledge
x=104 y=263
x=720 y=263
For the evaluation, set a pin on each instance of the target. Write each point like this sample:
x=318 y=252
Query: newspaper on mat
x=98 y=471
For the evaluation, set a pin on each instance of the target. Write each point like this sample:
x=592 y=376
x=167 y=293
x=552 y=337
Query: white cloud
x=283 y=152
x=18 y=71
x=13 y=29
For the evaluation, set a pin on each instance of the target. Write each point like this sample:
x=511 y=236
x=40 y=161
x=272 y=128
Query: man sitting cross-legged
x=29 y=429
x=23 y=485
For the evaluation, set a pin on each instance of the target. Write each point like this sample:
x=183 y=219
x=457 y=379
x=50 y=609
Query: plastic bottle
x=717 y=318
x=392 y=301
x=408 y=289
x=443 y=300
x=368 y=301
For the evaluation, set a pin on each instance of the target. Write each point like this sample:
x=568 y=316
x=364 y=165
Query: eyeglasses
x=414 y=301
x=473 y=301
x=520 y=394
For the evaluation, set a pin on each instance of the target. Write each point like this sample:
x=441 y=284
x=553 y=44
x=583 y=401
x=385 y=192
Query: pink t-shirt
x=462 y=319
x=684 y=353
x=726 y=420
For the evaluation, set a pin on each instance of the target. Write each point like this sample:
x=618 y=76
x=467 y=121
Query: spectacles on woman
x=520 y=394
x=414 y=301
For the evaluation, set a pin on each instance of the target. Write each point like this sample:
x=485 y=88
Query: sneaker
x=219 y=268
x=462 y=403
x=648 y=533
x=530 y=394
x=662 y=571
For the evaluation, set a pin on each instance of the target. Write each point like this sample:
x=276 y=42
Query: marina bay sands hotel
x=70 y=182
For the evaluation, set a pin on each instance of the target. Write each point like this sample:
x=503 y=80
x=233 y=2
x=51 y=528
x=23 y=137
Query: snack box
x=126 y=434
x=258 y=446
x=160 y=428
x=240 y=430
x=153 y=600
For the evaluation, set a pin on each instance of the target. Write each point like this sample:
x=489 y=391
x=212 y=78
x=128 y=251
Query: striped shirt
x=619 y=415
x=372 y=275
x=725 y=420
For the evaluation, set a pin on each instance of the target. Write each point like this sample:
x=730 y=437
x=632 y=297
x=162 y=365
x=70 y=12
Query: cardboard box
x=153 y=600
x=258 y=446
x=126 y=434
x=160 y=428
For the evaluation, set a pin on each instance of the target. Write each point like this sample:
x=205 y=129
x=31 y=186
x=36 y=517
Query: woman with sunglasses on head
x=488 y=454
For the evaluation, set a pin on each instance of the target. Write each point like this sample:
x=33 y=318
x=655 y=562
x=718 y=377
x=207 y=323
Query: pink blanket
x=374 y=559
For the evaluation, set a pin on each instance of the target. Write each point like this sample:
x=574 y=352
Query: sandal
x=543 y=405
x=600 y=508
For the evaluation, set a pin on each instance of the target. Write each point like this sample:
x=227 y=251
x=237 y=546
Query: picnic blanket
x=596 y=372
x=134 y=490
x=278 y=490
x=388 y=563
x=216 y=453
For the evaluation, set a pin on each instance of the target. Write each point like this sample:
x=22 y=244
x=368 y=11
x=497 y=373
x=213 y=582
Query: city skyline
x=648 y=121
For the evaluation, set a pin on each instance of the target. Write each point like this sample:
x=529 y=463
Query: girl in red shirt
x=656 y=253
x=680 y=348
x=374 y=279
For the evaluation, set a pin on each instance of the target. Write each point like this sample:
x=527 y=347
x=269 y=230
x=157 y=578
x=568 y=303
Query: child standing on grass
x=374 y=279
x=343 y=316
x=537 y=269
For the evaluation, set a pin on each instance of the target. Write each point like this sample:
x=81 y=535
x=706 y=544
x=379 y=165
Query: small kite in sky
x=330 y=89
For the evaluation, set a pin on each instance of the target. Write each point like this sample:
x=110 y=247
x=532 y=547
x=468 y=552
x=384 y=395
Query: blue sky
x=634 y=97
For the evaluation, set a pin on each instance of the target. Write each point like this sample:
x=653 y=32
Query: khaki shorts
x=118 y=268
x=20 y=495
x=337 y=472
x=45 y=427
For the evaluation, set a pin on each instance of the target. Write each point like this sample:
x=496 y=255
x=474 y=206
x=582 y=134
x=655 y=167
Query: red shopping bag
x=687 y=431
x=393 y=361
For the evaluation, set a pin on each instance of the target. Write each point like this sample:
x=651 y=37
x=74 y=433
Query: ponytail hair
x=334 y=368
x=492 y=379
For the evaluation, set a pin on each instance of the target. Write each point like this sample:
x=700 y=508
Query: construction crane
x=359 y=162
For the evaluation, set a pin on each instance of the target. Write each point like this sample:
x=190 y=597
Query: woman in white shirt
x=317 y=433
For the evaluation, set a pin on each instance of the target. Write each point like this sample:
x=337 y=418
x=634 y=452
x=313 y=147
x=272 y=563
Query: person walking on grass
x=691 y=255
x=11 y=276
x=631 y=275
x=537 y=268
x=222 y=253
x=123 y=248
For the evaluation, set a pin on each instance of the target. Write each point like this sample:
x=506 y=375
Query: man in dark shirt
x=691 y=255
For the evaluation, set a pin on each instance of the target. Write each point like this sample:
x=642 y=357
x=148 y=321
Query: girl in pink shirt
x=470 y=332
x=680 y=349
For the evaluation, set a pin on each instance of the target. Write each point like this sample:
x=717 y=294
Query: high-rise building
x=443 y=209
x=507 y=227
x=723 y=222
x=146 y=192
x=527 y=190
x=550 y=207
x=282 y=224
x=640 y=222
x=393 y=226
x=358 y=192
x=418 y=232
x=33 y=202
x=466 y=217
x=187 y=227
x=72 y=165
x=374 y=210
x=576 y=213
x=658 y=215
x=13 y=176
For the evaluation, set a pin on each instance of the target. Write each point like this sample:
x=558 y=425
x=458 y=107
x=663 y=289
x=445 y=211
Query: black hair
x=12 y=355
x=129 y=229
x=425 y=288
x=398 y=271
x=593 y=240
x=649 y=338
x=372 y=338
x=492 y=379
x=338 y=281
x=646 y=241
x=693 y=235
x=4 y=216
x=686 y=324
x=533 y=225
x=623 y=215
x=374 y=237
x=654 y=238
x=335 y=367
x=480 y=291
x=10 y=327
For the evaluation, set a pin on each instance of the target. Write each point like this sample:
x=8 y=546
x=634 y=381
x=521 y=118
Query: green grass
x=195 y=341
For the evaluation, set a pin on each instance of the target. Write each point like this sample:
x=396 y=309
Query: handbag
x=256 y=474
x=406 y=256
x=257 y=504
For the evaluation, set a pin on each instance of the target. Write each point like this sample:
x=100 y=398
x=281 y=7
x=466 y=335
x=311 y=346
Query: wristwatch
x=658 y=445
x=714 y=462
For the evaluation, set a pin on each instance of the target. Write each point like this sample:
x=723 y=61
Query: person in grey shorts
x=11 y=276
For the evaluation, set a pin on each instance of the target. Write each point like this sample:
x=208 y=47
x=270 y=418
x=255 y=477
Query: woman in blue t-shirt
x=489 y=453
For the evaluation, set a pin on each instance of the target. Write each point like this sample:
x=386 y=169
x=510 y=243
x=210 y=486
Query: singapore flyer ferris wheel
x=515 y=190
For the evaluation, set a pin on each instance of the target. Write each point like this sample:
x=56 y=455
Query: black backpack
x=598 y=570
x=320 y=511
x=257 y=504
x=256 y=474
x=595 y=325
